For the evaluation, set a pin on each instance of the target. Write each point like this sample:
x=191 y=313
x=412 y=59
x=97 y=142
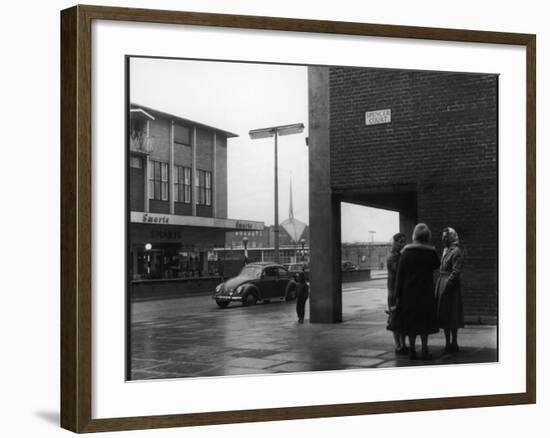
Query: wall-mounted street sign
x=378 y=117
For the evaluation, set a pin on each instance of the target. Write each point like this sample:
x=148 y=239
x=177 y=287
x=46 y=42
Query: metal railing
x=141 y=143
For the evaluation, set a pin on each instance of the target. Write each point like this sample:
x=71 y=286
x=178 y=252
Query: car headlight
x=219 y=287
x=238 y=290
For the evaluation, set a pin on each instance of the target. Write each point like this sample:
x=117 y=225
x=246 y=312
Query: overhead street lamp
x=372 y=233
x=276 y=131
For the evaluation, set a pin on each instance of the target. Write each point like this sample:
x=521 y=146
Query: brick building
x=177 y=183
x=423 y=144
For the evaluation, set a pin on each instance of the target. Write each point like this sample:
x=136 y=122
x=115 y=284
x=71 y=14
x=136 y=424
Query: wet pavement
x=192 y=337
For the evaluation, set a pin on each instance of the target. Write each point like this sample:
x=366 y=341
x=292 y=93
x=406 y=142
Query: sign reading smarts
x=138 y=217
x=378 y=117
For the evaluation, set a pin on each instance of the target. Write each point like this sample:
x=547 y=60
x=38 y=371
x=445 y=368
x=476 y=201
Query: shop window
x=158 y=180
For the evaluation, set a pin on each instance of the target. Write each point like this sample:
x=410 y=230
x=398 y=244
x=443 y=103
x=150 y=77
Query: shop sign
x=149 y=218
x=164 y=234
x=244 y=225
x=378 y=117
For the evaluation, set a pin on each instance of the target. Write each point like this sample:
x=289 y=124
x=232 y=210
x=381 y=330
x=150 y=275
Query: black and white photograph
x=308 y=218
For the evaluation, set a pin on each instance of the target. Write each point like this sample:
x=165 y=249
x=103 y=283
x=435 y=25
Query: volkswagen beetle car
x=295 y=268
x=257 y=282
x=349 y=266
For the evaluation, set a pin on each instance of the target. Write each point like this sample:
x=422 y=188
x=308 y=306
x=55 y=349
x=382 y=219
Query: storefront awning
x=138 y=217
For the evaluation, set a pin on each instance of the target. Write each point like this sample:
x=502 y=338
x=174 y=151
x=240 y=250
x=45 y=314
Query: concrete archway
x=434 y=160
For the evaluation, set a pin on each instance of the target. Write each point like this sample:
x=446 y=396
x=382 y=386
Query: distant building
x=367 y=255
x=261 y=243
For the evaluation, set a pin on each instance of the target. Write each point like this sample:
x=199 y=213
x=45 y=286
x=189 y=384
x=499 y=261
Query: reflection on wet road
x=192 y=337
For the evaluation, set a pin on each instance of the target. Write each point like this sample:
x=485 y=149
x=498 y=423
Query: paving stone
x=245 y=362
x=255 y=353
x=360 y=362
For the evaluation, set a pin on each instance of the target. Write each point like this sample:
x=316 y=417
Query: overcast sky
x=238 y=97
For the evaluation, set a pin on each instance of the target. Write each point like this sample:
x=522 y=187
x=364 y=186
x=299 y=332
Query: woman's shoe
x=402 y=351
x=425 y=354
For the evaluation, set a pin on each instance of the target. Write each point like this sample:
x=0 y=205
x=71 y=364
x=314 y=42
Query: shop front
x=169 y=253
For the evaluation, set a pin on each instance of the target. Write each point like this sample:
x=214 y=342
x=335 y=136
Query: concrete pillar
x=146 y=165
x=194 y=172
x=324 y=208
x=213 y=182
x=171 y=179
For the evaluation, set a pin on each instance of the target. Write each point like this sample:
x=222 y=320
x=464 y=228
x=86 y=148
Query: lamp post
x=148 y=248
x=303 y=242
x=372 y=233
x=245 y=244
x=276 y=131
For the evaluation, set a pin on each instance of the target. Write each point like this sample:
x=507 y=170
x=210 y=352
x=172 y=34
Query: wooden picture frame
x=76 y=217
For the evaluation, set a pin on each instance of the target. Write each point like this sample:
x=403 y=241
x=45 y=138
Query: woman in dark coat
x=450 y=314
x=414 y=288
x=392 y=262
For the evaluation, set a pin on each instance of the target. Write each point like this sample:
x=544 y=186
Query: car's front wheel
x=250 y=299
x=222 y=304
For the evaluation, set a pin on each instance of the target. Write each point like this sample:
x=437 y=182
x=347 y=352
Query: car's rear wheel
x=250 y=299
x=222 y=304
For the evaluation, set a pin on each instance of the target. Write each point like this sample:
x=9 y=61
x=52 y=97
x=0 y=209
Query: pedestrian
x=398 y=243
x=450 y=313
x=415 y=313
x=302 y=294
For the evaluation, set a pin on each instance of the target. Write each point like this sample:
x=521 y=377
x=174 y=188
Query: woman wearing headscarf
x=450 y=314
x=415 y=313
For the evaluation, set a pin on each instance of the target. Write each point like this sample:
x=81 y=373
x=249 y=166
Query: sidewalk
x=266 y=338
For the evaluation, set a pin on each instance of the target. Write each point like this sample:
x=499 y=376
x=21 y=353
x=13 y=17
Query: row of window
x=158 y=184
x=249 y=233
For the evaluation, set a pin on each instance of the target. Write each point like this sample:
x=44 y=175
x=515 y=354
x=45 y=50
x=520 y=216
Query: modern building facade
x=177 y=196
x=424 y=144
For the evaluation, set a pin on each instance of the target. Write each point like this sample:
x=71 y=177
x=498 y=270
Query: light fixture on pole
x=148 y=248
x=276 y=131
x=372 y=233
x=245 y=244
x=303 y=242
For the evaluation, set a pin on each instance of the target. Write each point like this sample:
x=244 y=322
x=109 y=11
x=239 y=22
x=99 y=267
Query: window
x=158 y=180
x=208 y=188
x=182 y=135
x=182 y=184
x=203 y=183
x=135 y=162
x=271 y=272
x=282 y=273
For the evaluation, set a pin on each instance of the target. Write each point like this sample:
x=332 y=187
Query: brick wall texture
x=442 y=141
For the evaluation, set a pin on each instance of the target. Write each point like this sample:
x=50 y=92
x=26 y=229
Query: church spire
x=290 y=207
